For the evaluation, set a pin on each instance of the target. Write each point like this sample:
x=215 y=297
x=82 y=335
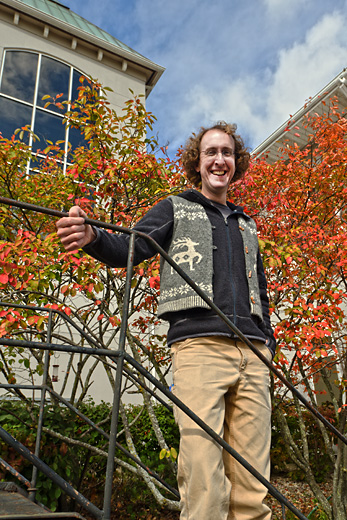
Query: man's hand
x=73 y=232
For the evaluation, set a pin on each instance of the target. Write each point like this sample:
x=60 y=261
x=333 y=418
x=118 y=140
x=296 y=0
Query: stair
x=15 y=505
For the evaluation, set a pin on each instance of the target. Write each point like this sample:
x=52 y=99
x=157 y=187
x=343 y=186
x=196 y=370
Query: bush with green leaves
x=321 y=464
x=69 y=461
x=65 y=442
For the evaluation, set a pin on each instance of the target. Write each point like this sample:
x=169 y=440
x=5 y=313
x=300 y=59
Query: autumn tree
x=300 y=204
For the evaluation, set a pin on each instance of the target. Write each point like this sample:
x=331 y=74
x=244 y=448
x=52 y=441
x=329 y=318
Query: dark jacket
x=230 y=286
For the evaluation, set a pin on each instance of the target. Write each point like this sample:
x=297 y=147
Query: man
x=214 y=373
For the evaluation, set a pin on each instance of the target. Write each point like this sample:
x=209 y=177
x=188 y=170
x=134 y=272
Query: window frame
x=35 y=107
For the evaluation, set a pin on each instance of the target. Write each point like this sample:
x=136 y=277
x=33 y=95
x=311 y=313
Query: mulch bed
x=298 y=493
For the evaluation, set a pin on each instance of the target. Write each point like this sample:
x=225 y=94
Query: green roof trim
x=64 y=14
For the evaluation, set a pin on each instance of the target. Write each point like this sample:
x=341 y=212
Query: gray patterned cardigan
x=192 y=244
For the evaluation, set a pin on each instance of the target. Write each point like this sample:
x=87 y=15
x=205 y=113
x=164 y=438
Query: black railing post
x=118 y=383
x=32 y=490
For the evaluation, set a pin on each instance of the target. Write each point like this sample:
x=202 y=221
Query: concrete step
x=14 y=505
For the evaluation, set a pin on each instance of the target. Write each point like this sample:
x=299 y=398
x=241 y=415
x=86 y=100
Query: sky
x=249 y=62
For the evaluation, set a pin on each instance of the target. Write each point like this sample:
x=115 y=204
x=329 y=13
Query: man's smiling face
x=216 y=164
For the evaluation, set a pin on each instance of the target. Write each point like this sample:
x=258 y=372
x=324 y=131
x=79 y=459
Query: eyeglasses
x=212 y=153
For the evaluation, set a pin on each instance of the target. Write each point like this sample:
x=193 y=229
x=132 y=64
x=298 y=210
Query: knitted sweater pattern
x=192 y=246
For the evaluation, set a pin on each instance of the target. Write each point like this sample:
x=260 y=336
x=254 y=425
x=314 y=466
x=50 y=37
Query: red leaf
x=3 y=278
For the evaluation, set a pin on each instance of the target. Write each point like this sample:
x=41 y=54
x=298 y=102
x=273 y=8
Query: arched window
x=25 y=78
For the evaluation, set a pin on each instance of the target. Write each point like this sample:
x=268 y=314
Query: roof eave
x=155 y=70
x=287 y=126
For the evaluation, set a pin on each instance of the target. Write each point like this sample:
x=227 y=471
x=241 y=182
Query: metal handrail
x=88 y=338
x=93 y=425
x=15 y=473
x=115 y=355
x=121 y=356
x=57 y=479
x=44 y=388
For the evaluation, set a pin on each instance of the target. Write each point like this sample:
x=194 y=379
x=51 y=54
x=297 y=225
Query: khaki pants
x=227 y=386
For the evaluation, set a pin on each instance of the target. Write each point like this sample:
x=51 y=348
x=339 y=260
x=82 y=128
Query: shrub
x=320 y=462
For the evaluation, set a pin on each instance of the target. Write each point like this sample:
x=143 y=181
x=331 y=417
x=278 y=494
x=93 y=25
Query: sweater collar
x=195 y=196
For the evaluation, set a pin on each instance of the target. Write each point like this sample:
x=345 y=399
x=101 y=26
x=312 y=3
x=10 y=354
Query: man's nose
x=219 y=157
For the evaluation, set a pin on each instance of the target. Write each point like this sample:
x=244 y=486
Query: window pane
x=34 y=164
x=19 y=75
x=75 y=84
x=76 y=138
x=48 y=128
x=54 y=79
x=13 y=115
x=37 y=161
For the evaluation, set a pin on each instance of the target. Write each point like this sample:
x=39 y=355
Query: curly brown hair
x=191 y=153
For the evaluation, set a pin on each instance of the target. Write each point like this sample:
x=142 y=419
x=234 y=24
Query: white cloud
x=306 y=68
x=285 y=8
x=261 y=101
x=235 y=103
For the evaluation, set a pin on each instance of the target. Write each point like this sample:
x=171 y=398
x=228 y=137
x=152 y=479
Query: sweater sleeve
x=266 y=324
x=112 y=248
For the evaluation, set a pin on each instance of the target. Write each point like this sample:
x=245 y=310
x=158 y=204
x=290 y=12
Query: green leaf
x=173 y=454
x=162 y=454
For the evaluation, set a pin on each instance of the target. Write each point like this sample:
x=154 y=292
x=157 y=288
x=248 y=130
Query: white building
x=44 y=48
